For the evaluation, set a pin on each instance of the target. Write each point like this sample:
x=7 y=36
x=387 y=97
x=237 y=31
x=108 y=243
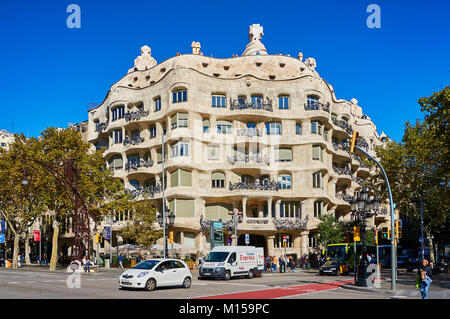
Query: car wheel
x=150 y=285
x=227 y=275
x=250 y=274
x=187 y=282
x=200 y=278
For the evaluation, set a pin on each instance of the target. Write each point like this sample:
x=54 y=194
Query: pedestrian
x=280 y=263
x=86 y=264
x=293 y=265
x=200 y=261
x=424 y=275
x=44 y=259
x=274 y=263
x=121 y=261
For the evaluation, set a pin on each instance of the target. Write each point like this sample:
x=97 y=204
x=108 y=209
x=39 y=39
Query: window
x=117 y=136
x=205 y=125
x=179 y=120
x=157 y=104
x=213 y=152
x=118 y=112
x=317 y=153
x=152 y=131
x=298 y=128
x=289 y=210
x=317 y=180
x=284 y=181
x=283 y=102
x=218 y=101
x=312 y=101
x=325 y=134
x=215 y=211
x=318 y=209
x=179 y=149
x=133 y=159
x=283 y=154
x=179 y=96
x=218 y=180
x=251 y=125
x=177 y=264
x=116 y=162
x=273 y=128
x=183 y=207
x=316 y=127
x=224 y=127
x=180 y=177
x=134 y=184
x=333 y=117
x=257 y=100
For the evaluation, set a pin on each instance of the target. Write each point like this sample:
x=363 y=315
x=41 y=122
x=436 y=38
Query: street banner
x=2 y=226
x=37 y=235
x=107 y=232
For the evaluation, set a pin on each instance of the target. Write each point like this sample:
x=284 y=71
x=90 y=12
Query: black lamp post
x=361 y=207
x=166 y=222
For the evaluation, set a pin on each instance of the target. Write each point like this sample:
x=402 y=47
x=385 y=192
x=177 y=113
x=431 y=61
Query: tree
x=141 y=229
x=417 y=167
x=330 y=231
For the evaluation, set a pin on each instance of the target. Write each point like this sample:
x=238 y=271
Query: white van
x=232 y=261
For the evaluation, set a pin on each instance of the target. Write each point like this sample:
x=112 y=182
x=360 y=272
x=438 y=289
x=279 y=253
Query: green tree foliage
x=141 y=229
x=418 y=165
x=330 y=231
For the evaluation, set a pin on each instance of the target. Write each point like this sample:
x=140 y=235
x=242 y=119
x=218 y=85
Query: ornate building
x=6 y=139
x=260 y=133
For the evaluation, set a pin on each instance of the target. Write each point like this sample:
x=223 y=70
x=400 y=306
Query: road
x=27 y=284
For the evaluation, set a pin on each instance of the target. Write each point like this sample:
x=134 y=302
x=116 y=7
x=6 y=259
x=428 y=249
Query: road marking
x=13 y=282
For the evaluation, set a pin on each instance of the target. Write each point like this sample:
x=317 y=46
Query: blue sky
x=50 y=73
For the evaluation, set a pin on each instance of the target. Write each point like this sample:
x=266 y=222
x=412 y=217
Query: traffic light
x=385 y=232
x=100 y=239
x=398 y=229
x=97 y=238
x=376 y=236
x=353 y=141
x=171 y=237
x=356 y=233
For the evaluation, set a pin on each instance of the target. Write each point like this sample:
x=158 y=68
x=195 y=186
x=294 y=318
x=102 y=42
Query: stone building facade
x=260 y=133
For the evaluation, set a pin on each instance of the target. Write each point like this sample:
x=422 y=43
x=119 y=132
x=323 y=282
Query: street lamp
x=360 y=207
x=166 y=222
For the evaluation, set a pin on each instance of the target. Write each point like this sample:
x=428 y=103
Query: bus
x=345 y=252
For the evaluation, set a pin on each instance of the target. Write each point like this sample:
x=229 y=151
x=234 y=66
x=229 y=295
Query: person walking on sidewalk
x=86 y=264
x=121 y=261
x=424 y=273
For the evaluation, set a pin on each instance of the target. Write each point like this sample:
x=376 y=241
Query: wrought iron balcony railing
x=136 y=165
x=239 y=104
x=250 y=132
x=150 y=190
x=134 y=140
x=344 y=125
x=262 y=186
x=251 y=158
x=357 y=180
x=361 y=142
x=99 y=127
x=317 y=106
x=344 y=146
x=136 y=115
x=291 y=223
x=360 y=161
x=342 y=170
x=343 y=196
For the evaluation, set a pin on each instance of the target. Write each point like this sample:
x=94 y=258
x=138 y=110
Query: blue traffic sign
x=107 y=232
x=2 y=238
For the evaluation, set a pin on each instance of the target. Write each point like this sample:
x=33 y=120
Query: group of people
x=271 y=262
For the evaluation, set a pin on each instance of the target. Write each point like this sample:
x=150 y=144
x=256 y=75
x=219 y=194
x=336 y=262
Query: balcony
x=362 y=143
x=240 y=104
x=317 y=106
x=342 y=170
x=249 y=132
x=135 y=165
x=344 y=146
x=344 y=197
x=100 y=127
x=136 y=116
x=344 y=125
x=252 y=158
x=150 y=190
x=290 y=223
x=134 y=140
x=357 y=180
x=262 y=186
x=360 y=161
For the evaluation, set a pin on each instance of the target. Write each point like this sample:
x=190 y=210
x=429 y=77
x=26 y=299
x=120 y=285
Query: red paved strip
x=280 y=292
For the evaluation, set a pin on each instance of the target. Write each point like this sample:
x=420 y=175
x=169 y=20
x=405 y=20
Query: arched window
x=217 y=180
x=312 y=101
x=179 y=96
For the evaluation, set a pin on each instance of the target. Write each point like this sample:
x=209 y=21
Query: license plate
x=327 y=271
x=126 y=283
x=207 y=273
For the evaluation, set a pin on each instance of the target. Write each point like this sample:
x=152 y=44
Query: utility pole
x=422 y=242
x=163 y=201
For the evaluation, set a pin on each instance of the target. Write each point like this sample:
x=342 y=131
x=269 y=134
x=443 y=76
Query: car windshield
x=331 y=263
x=146 y=264
x=337 y=251
x=217 y=256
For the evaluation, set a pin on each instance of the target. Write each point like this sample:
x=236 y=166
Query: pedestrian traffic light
x=385 y=232
x=356 y=233
x=171 y=237
x=353 y=141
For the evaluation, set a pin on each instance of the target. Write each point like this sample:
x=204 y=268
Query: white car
x=153 y=273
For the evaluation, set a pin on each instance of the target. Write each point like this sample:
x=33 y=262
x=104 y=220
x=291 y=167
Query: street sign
x=2 y=226
x=216 y=233
x=37 y=235
x=247 y=239
x=107 y=232
x=2 y=238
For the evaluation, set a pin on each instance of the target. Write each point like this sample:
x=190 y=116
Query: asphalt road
x=26 y=284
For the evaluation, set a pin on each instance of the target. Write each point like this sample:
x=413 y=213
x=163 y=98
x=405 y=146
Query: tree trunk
x=431 y=249
x=54 y=257
x=15 y=250
x=27 y=250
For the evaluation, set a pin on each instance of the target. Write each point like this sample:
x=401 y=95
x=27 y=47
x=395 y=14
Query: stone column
x=277 y=208
x=304 y=245
x=244 y=209
x=270 y=245
x=260 y=209
x=200 y=240
x=297 y=245
x=181 y=238
x=269 y=207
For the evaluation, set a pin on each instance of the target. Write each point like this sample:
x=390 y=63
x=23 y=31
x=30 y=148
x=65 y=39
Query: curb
x=370 y=290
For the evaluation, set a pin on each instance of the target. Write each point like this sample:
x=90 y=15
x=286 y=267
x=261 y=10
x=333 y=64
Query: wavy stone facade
x=260 y=133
